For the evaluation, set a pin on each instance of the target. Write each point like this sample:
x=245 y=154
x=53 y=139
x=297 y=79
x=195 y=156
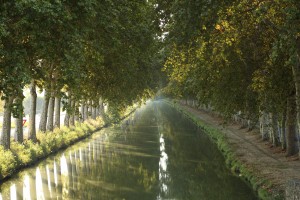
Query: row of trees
x=80 y=53
x=238 y=56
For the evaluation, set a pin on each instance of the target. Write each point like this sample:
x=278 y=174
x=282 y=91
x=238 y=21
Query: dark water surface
x=155 y=154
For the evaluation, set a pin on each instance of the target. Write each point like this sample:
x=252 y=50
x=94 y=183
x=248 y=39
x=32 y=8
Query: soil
x=267 y=162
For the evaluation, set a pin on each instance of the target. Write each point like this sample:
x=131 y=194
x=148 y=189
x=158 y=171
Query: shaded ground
x=268 y=162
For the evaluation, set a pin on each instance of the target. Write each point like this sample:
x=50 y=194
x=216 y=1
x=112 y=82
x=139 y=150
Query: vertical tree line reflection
x=154 y=154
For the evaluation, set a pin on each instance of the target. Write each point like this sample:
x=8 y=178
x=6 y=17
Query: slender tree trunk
x=57 y=112
x=274 y=129
x=67 y=120
x=102 y=111
x=97 y=111
x=6 y=126
x=94 y=112
x=32 y=114
x=86 y=111
x=263 y=125
x=51 y=113
x=89 y=109
x=44 y=114
x=291 y=126
x=283 y=131
x=67 y=116
x=72 y=114
x=296 y=74
x=76 y=112
x=19 y=122
x=82 y=111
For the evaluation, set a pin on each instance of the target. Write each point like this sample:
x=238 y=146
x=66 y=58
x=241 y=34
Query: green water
x=155 y=154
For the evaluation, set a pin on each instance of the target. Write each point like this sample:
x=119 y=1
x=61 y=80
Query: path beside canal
x=266 y=162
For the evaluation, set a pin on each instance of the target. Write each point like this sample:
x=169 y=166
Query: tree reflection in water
x=155 y=154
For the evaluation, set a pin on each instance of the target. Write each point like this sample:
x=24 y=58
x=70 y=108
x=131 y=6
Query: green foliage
x=8 y=162
x=232 y=55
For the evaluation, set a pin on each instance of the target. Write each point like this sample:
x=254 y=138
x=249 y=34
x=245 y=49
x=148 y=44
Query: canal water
x=155 y=154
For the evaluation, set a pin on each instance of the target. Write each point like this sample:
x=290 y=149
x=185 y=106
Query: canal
x=154 y=154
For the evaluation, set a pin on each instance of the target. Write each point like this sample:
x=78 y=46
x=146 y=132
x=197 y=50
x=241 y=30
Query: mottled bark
x=57 y=112
x=67 y=116
x=296 y=75
x=97 y=111
x=263 y=124
x=67 y=120
x=86 y=110
x=72 y=114
x=32 y=114
x=274 y=129
x=6 y=126
x=51 y=113
x=94 y=112
x=44 y=114
x=76 y=112
x=82 y=114
x=291 y=126
x=283 y=131
x=89 y=110
x=19 y=123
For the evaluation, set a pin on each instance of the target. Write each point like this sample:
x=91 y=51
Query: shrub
x=8 y=162
x=22 y=153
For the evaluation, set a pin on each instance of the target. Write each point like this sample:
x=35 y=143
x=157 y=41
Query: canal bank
x=266 y=170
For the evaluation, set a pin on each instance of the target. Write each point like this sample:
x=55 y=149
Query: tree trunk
x=97 y=111
x=44 y=114
x=86 y=111
x=32 y=114
x=296 y=75
x=102 y=111
x=283 y=131
x=72 y=114
x=19 y=122
x=263 y=126
x=94 y=112
x=291 y=126
x=6 y=126
x=76 y=112
x=274 y=129
x=67 y=120
x=89 y=110
x=67 y=116
x=51 y=113
x=57 y=112
x=82 y=114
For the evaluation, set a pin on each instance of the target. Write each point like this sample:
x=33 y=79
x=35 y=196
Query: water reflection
x=163 y=175
x=154 y=154
x=39 y=184
x=13 y=192
x=49 y=181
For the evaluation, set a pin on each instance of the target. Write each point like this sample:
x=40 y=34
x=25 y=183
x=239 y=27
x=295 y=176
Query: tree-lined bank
x=80 y=53
x=239 y=58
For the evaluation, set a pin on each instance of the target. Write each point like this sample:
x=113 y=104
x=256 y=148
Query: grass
x=263 y=187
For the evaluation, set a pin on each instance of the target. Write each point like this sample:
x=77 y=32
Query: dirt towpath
x=267 y=162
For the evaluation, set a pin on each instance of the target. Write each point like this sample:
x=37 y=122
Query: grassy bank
x=263 y=187
x=28 y=153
